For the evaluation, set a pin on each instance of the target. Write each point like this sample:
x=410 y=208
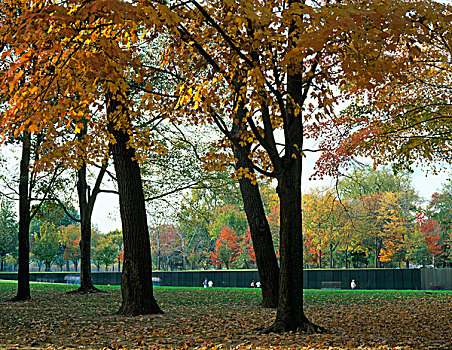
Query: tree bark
x=290 y=315
x=136 y=280
x=86 y=204
x=267 y=264
x=86 y=282
x=23 y=274
x=331 y=256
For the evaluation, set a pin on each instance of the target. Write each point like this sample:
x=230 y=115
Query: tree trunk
x=86 y=282
x=290 y=315
x=47 y=266
x=86 y=204
x=23 y=275
x=331 y=256
x=377 y=252
x=267 y=264
x=261 y=236
x=1 y=267
x=320 y=258
x=346 y=258
x=136 y=280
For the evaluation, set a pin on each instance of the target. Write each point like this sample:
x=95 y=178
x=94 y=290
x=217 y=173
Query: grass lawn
x=223 y=318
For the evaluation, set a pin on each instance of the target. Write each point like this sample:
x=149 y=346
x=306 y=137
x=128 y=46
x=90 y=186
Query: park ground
x=216 y=318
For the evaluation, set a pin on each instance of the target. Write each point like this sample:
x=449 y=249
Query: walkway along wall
x=313 y=279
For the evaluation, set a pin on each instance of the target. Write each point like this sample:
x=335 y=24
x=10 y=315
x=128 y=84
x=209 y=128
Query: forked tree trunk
x=136 y=280
x=261 y=236
x=86 y=282
x=23 y=274
x=86 y=204
x=290 y=314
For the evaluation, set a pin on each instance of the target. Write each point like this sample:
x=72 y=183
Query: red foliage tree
x=431 y=231
x=72 y=251
x=227 y=248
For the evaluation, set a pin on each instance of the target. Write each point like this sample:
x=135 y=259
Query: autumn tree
x=227 y=248
x=325 y=221
x=105 y=251
x=46 y=245
x=440 y=209
x=401 y=106
x=91 y=42
x=70 y=241
x=8 y=231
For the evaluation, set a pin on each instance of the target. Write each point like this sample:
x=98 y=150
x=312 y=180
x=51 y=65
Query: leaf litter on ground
x=216 y=318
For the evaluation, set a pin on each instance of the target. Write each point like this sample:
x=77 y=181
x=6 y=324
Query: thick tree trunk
x=23 y=275
x=290 y=315
x=136 y=281
x=267 y=264
x=47 y=266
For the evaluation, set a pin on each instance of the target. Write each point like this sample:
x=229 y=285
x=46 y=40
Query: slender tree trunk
x=261 y=236
x=1 y=267
x=267 y=264
x=23 y=275
x=331 y=256
x=346 y=258
x=136 y=281
x=86 y=205
x=86 y=282
x=320 y=258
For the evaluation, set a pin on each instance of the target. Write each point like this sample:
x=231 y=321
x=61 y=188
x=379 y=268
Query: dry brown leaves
x=198 y=318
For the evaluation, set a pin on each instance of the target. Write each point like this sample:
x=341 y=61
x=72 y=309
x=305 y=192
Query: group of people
x=255 y=284
x=207 y=283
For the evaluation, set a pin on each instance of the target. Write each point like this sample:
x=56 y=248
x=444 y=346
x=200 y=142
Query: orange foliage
x=227 y=248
